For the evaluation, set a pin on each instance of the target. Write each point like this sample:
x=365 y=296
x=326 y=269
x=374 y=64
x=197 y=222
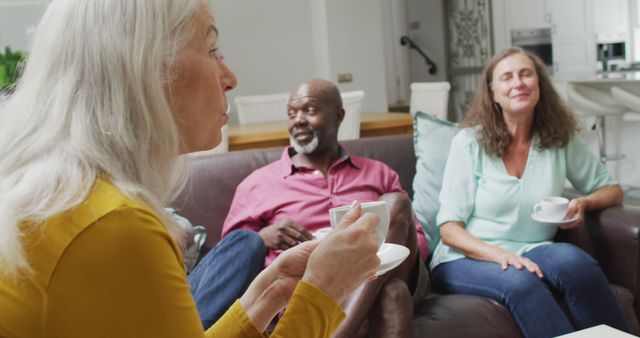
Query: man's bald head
x=315 y=113
x=322 y=90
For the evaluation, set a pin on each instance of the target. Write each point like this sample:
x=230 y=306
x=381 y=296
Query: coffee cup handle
x=536 y=208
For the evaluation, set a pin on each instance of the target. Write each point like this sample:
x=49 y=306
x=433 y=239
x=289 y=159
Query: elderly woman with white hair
x=112 y=92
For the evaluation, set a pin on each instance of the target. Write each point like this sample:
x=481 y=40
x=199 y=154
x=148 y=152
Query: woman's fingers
x=351 y=216
x=573 y=209
x=572 y=225
x=346 y=258
x=520 y=263
x=532 y=267
x=576 y=207
x=515 y=261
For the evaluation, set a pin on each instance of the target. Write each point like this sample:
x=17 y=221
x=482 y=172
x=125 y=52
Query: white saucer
x=390 y=255
x=322 y=233
x=539 y=218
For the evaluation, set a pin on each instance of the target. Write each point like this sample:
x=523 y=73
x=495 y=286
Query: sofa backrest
x=213 y=178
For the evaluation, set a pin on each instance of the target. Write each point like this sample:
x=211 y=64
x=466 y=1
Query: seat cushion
x=432 y=140
x=446 y=316
x=472 y=316
x=625 y=299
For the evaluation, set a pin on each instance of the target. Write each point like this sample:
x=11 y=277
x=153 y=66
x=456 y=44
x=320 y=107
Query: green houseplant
x=10 y=65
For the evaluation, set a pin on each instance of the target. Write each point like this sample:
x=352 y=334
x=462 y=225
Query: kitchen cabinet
x=572 y=36
x=571 y=17
x=527 y=14
x=571 y=23
x=516 y=14
x=611 y=19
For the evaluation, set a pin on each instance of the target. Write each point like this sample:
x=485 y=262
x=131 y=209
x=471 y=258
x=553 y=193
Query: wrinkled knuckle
x=370 y=219
x=358 y=231
x=371 y=248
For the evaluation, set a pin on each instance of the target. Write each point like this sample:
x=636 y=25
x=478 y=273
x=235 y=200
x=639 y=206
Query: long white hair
x=91 y=103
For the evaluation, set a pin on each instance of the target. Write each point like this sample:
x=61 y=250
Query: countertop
x=600 y=77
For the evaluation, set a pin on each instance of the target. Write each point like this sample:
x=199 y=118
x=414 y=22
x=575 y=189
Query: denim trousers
x=569 y=273
x=225 y=272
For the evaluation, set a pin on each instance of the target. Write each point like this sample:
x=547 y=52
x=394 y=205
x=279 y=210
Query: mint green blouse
x=495 y=206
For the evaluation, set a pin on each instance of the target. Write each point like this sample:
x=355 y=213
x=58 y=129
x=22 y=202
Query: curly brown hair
x=553 y=121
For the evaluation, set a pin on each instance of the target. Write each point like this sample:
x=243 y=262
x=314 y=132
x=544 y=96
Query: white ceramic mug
x=380 y=208
x=553 y=208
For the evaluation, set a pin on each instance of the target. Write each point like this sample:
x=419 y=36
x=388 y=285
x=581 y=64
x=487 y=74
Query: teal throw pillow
x=431 y=140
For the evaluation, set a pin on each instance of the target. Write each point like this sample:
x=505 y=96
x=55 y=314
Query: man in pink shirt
x=289 y=199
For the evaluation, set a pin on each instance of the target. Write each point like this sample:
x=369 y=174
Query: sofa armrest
x=612 y=237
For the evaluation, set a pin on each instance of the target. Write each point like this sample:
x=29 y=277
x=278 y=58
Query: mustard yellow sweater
x=108 y=268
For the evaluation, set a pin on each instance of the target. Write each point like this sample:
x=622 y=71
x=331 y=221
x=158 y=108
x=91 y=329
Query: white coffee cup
x=553 y=208
x=380 y=208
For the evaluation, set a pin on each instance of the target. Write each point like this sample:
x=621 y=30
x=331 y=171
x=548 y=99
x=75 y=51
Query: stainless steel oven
x=536 y=40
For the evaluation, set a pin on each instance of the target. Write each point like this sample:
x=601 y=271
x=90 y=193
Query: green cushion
x=432 y=140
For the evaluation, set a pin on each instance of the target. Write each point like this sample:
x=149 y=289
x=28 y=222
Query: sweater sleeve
x=234 y=323
x=310 y=313
x=584 y=169
x=121 y=277
x=457 y=196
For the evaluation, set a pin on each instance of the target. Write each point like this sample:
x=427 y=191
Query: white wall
x=274 y=45
x=430 y=37
x=356 y=46
x=267 y=44
x=629 y=167
x=17 y=22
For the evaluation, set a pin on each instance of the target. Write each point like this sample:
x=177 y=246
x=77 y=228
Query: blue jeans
x=225 y=272
x=568 y=272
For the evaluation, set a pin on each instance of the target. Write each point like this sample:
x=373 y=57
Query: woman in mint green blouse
x=520 y=145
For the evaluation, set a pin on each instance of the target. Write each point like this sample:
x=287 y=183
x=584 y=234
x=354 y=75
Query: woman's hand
x=602 y=198
x=576 y=207
x=337 y=265
x=454 y=235
x=271 y=290
x=346 y=257
x=506 y=258
x=288 y=268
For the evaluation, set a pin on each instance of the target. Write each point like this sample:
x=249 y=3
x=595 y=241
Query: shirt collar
x=287 y=167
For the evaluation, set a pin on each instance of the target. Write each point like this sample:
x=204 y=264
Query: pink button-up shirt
x=281 y=190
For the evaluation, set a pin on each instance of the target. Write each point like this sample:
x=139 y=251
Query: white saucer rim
x=325 y=230
x=538 y=218
x=386 y=266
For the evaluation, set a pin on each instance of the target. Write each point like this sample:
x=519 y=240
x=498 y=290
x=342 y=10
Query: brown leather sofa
x=611 y=236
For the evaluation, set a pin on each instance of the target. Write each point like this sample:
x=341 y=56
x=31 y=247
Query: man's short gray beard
x=307 y=148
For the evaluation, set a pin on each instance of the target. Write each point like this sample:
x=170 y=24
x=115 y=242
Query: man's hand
x=284 y=235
